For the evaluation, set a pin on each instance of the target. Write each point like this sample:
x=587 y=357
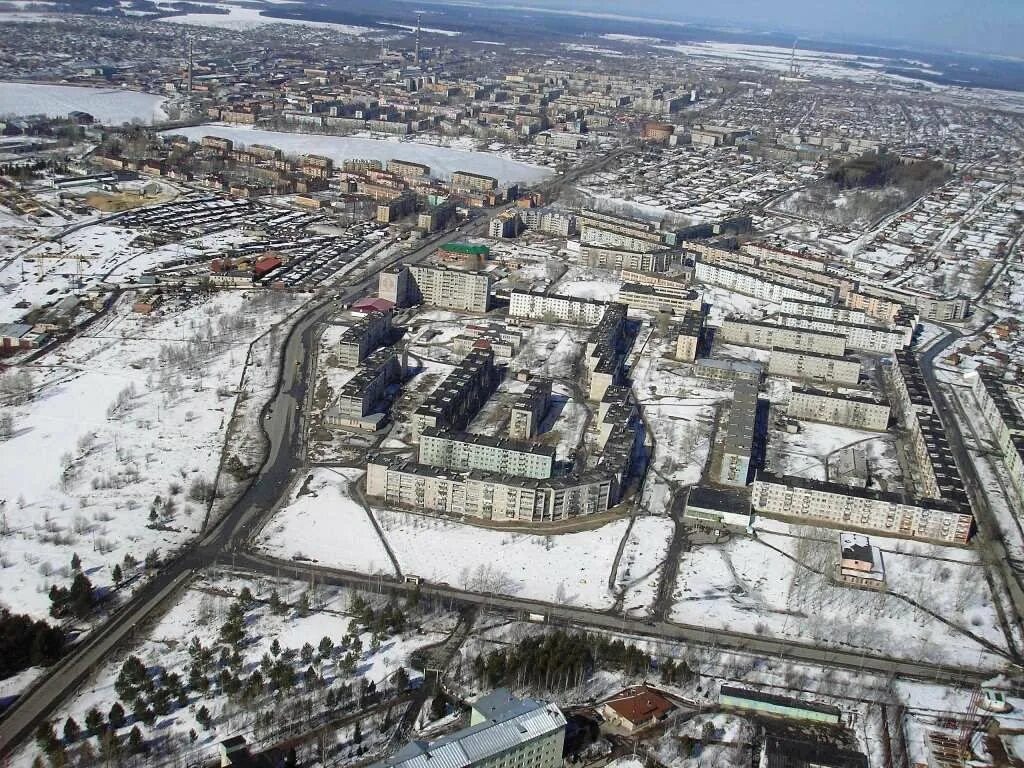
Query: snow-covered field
x=239 y=19
x=296 y=530
x=754 y=585
x=125 y=423
x=442 y=160
x=108 y=105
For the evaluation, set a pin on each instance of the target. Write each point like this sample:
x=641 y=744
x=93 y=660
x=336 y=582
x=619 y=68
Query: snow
x=96 y=468
x=320 y=508
x=241 y=19
x=442 y=160
x=112 y=106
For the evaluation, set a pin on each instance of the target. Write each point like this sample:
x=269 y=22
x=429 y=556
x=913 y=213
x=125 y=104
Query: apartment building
x=767 y=254
x=688 y=333
x=408 y=170
x=465 y=181
x=834 y=408
x=537 y=305
x=1005 y=420
x=529 y=409
x=464 y=452
x=739 y=435
x=488 y=496
x=438 y=286
x=795 y=364
x=551 y=222
x=649 y=298
x=354 y=405
x=846 y=507
x=619 y=232
x=755 y=333
x=817 y=311
x=617 y=258
x=505 y=224
x=751 y=281
x=870 y=338
x=363 y=336
x=877 y=308
x=503 y=732
x=668 y=284
x=938 y=308
x=458 y=398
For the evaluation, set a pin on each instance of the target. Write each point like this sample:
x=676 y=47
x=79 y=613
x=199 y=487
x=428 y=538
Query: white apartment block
x=464 y=452
x=841 y=506
x=1005 y=420
x=363 y=336
x=536 y=305
x=752 y=333
x=648 y=298
x=528 y=410
x=616 y=258
x=503 y=732
x=489 y=496
x=940 y=308
x=818 y=311
x=739 y=435
x=752 y=282
x=675 y=284
x=802 y=365
x=870 y=338
x=766 y=254
x=842 y=410
x=452 y=288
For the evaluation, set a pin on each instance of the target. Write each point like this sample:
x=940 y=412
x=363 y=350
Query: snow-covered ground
x=442 y=160
x=125 y=422
x=296 y=530
x=112 y=106
x=238 y=19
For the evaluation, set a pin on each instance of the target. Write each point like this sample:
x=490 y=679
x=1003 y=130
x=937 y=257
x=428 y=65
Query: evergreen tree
x=135 y=741
x=116 y=715
x=71 y=731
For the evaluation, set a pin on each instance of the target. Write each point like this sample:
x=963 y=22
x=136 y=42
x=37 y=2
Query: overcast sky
x=989 y=26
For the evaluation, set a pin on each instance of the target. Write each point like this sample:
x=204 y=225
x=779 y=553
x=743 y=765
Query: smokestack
x=418 y=16
x=190 y=67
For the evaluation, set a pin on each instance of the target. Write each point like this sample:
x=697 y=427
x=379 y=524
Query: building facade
x=834 y=408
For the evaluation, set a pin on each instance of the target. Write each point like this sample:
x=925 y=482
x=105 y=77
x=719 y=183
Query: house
x=634 y=709
x=860 y=563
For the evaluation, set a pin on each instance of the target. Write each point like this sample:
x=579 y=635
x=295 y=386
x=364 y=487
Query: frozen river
x=112 y=106
x=442 y=160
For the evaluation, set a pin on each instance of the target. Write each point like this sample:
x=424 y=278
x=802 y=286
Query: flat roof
x=779 y=701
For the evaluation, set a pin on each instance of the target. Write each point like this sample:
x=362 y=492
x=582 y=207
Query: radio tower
x=418 y=16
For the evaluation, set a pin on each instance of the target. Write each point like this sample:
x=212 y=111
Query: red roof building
x=372 y=304
x=634 y=709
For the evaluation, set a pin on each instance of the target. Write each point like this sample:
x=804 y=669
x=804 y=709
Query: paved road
x=657 y=630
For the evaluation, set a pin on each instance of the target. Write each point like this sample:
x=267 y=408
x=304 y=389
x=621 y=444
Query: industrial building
x=503 y=342
x=463 y=452
x=731 y=697
x=756 y=333
x=834 y=505
x=834 y=408
x=503 y=732
x=795 y=364
x=739 y=435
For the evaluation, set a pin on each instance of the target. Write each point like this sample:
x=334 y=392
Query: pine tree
x=117 y=573
x=71 y=731
x=116 y=715
x=135 y=741
x=76 y=563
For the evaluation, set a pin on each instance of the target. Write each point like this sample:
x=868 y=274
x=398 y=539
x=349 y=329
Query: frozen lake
x=442 y=160
x=108 y=105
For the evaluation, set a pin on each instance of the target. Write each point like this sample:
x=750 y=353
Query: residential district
x=376 y=395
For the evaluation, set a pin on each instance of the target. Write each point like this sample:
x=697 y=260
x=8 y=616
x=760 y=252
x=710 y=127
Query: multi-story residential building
x=758 y=283
x=529 y=409
x=834 y=408
x=465 y=181
x=688 y=332
x=1005 y=420
x=353 y=407
x=739 y=435
x=754 y=333
x=503 y=732
x=766 y=254
x=878 y=308
x=670 y=284
x=398 y=207
x=795 y=364
x=817 y=311
x=505 y=224
x=619 y=232
x=435 y=285
x=488 y=496
x=843 y=506
x=870 y=338
x=537 y=305
x=938 y=308
x=617 y=258
x=408 y=170
x=363 y=336
x=502 y=455
x=649 y=298
x=460 y=396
